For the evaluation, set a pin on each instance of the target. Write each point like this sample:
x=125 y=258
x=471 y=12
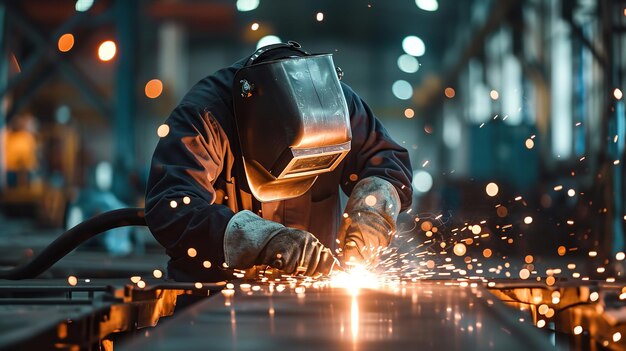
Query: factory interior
x=512 y=113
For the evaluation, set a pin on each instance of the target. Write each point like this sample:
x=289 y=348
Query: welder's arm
x=376 y=165
x=370 y=219
x=180 y=200
x=251 y=240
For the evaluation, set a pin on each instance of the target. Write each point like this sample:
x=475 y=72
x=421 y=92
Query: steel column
x=124 y=119
x=4 y=58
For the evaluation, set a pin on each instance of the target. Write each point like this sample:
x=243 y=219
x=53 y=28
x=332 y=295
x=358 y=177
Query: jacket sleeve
x=180 y=208
x=374 y=153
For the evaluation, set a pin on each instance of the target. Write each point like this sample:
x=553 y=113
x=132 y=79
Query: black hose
x=69 y=240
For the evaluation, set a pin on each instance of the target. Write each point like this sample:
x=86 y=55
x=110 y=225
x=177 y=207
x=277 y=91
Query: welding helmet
x=292 y=120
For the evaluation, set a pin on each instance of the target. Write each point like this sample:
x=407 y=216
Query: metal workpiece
x=428 y=315
x=582 y=317
x=83 y=313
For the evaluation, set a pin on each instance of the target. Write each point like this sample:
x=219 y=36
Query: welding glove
x=251 y=240
x=369 y=220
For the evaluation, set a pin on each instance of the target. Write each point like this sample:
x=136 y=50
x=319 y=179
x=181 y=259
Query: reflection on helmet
x=292 y=120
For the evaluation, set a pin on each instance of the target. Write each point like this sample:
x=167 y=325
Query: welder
x=249 y=166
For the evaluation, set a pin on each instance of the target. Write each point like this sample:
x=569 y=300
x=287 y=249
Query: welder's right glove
x=369 y=222
x=251 y=240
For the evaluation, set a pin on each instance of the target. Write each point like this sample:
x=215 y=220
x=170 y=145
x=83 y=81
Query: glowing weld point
x=354 y=278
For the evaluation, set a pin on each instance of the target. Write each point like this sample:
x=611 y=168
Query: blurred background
x=512 y=111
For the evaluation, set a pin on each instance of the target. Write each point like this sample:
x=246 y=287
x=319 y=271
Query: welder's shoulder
x=213 y=91
x=212 y=97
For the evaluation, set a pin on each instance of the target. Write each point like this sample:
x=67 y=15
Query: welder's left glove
x=369 y=221
x=250 y=240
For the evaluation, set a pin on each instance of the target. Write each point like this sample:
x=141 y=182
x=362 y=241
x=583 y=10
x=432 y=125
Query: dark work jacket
x=197 y=182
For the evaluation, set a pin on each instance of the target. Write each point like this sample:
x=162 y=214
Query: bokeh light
x=409 y=113
x=494 y=95
x=492 y=189
x=459 y=249
x=247 y=5
x=402 y=89
x=154 y=88
x=107 y=50
x=422 y=181
x=618 y=94
x=449 y=92
x=408 y=63
x=427 y=5
x=66 y=42
x=529 y=143
x=413 y=45
x=163 y=130
x=268 y=40
x=83 y=5
x=319 y=16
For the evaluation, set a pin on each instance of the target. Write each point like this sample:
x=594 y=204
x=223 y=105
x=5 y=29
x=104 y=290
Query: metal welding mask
x=292 y=120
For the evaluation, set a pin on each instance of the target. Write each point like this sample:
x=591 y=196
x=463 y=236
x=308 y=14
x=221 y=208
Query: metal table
x=424 y=315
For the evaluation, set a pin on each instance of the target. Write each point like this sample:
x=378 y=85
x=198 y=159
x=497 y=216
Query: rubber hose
x=72 y=238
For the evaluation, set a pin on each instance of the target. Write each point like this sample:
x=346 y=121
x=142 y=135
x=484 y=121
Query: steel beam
x=124 y=121
x=4 y=71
